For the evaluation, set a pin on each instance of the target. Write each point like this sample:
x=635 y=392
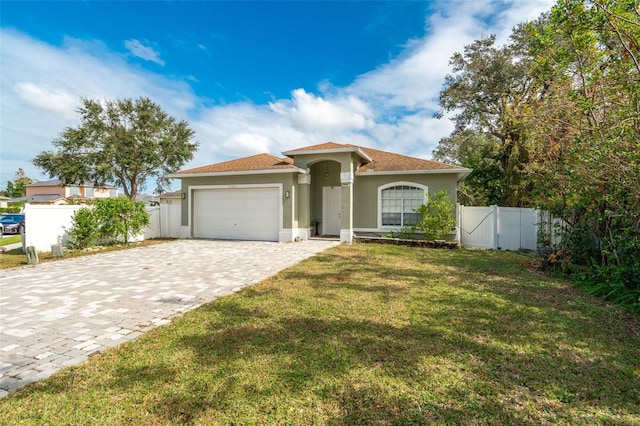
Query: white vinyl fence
x=46 y=225
x=493 y=227
x=165 y=221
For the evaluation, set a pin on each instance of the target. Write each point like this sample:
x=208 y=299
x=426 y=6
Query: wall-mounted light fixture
x=287 y=194
x=183 y=195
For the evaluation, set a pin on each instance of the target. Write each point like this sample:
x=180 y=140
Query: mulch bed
x=407 y=242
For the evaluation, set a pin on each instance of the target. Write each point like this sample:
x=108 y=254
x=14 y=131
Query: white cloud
x=45 y=97
x=390 y=107
x=310 y=113
x=42 y=84
x=144 y=52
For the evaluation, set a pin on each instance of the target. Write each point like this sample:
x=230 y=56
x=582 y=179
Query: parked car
x=12 y=223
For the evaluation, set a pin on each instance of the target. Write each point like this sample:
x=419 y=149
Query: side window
x=88 y=191
x=74 y=190
x=398 y=203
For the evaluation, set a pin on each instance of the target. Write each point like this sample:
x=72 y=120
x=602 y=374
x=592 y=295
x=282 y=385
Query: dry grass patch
x=16 y=258
x=367 y=334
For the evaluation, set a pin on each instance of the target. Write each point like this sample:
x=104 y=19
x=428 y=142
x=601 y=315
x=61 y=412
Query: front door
x=331 y=203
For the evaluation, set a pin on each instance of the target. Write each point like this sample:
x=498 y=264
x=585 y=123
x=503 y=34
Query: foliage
x=407 y=232
x=18 y=186
x=490 y=91
x=437 y=217
x=120 y=218
x=365 y=334
x=84 y=229
x=11 y=209
x=562 y=102
x=111 y=220
x=122 y=143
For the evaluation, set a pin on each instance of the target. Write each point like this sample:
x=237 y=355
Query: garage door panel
x=238 y=213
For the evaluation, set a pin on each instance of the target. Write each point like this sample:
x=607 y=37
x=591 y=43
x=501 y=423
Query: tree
x=553 y=120
x=487 y=184
x=121 y=143
x=493 y=94
x=590 y=53
x=18 y=187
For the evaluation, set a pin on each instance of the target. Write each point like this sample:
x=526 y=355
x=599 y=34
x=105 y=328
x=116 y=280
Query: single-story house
x=148 y=200
x=173 y=197
x=55 y=192
x=329 y=189
x=4 y=202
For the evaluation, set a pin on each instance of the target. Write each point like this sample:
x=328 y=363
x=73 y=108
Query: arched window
x=398 y=203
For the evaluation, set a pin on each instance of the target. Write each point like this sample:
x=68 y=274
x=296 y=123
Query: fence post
x=495 y=234
x=459 y=223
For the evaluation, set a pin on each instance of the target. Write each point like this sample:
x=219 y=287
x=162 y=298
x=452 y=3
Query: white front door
x=331 y=204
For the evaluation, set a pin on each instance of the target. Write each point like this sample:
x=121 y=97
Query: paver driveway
x=57 y=314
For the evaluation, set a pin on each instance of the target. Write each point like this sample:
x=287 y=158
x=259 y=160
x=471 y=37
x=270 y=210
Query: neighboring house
x=4 y=202
x=174 y=197
x=54 y=192
x=329 y=189
x=148 y=200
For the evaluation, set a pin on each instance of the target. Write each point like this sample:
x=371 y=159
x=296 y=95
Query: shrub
x=84 y=229
x=120 y=218
x=112 y=220
x=437 y=217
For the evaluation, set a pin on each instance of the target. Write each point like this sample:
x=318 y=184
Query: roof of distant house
x=58 y=182
x=44 y=198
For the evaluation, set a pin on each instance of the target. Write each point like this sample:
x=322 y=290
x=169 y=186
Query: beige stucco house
x=172 y=198
x=329 y=189
x=55 y=192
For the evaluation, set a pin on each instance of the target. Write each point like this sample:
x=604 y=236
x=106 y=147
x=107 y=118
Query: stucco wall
x=365 y=208
x=289 y=183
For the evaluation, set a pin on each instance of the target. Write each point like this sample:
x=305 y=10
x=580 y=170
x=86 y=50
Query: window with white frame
x=88 y=191
x=399 y=202
x=74 y=190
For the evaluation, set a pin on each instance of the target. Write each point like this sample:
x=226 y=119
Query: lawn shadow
x=485 y=346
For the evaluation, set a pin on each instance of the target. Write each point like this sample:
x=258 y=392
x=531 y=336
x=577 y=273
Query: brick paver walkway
x=57 y=314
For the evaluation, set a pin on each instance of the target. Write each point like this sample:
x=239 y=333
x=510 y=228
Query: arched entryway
x=326 y=198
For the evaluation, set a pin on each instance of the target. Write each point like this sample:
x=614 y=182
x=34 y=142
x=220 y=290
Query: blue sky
x=249 y=77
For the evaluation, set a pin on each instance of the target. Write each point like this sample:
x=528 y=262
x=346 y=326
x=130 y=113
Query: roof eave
x=235 y=173
x=355 y=149
x=462 y=173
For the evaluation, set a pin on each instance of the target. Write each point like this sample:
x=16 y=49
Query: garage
x=251 y=213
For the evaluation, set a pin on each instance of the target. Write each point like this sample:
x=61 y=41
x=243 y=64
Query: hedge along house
x=329 y=189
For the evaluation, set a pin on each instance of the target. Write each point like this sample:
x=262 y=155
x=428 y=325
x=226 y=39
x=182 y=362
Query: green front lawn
x=10 y=239
x=367 y=334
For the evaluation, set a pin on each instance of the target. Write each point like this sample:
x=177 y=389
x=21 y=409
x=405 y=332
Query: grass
x=16 y=257
x=361 y=335
x=10 y=240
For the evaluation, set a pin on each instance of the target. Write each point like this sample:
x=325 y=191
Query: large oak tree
x=122 y=143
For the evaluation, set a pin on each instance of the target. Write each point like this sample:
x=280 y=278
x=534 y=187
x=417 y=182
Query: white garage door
x=237 y=214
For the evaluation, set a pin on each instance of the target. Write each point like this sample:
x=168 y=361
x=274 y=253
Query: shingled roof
x=380 y=161
x=375 y=161
x=257 y=162
x=389 y=162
